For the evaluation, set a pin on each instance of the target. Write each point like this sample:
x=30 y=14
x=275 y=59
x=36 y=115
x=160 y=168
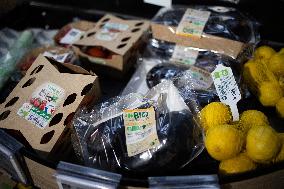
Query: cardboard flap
x=76 y=68
x=119 y=40
x=206 y=42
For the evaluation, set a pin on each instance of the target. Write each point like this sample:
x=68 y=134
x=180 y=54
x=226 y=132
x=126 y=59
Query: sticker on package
x=200 y=78
x=58 y=57
x=72 y=36
x=140 y=130
x=193 y=23
x=110 y=31
x=43 y=104
x=184 y=55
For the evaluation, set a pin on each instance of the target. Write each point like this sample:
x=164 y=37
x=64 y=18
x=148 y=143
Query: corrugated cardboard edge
x=206 y=42
x=114 y=45
x=42 y=176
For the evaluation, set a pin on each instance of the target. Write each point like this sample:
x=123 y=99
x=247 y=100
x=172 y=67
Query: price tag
x=193 y=23
x=184 y=55
x=227 y=88
x=140 y=130
x=71 y=36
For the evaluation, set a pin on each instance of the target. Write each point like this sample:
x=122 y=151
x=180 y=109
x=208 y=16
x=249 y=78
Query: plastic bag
x=152 y=71
x=102 y=140
x=224 y=22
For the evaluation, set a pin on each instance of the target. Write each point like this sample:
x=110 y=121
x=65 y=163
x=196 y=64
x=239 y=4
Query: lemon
x=269 y=93
x=281 y=83
x=223 y=141
x=215 y=113
x=281 y=51
x=262 y=143
x=276 y=64
x=251 y=118
x=280 y=156
x=280 y=107
x=238 y=164
x=264 y=52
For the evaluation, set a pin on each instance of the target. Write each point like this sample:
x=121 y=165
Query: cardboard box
x=40 y=108
x=206 y=42
x=81 y=25
x=60 y=54
x=122 y=39
x=42 y=176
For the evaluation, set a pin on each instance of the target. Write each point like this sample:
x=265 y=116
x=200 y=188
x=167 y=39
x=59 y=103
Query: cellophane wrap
x=99 y=132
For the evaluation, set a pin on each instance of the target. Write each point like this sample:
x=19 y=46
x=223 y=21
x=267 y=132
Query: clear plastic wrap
x=102 y=140
x=223 y=23
x=152 y=71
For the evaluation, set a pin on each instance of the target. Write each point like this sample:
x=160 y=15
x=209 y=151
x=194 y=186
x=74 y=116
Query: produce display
x=263 y=75
x=240 y=146
x=198 y=94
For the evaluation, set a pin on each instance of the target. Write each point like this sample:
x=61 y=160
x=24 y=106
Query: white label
x=140 y=130
x=71 y=36
x=184 y=55
x=110 y=31
x=201 y=79
x=58 y=57
x=227 y=88
x=43 y=104
x=163 y=3
x=193 y=23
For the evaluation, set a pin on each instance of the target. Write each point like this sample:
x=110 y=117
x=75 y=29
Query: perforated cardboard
x=81 y=25
x=42 y=122
x=206 y=42
x=121 y=37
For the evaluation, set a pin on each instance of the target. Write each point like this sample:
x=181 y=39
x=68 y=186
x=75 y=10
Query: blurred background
x=270 y=14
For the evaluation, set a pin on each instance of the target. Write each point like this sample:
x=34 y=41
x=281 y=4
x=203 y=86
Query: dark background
x=270 y=14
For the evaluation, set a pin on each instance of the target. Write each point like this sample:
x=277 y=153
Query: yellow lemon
x=264 y=52
x=280 y=107
x=223 y=141
x=276 y=64
x=251 y=118
x=215 y=113
x=262 y=143
x=239 y=164
x=269 y=93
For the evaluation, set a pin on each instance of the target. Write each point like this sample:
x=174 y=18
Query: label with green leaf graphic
x=140 y=130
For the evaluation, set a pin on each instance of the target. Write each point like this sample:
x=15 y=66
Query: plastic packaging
x=223 y=23
x=152 y=71
x=77 y=177
x=10 y=158
x=102 y=140
x=176 y=182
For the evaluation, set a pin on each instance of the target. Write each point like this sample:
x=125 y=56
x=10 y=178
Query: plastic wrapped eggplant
x=136 y=134
x=226 y=26
x=153 y=71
